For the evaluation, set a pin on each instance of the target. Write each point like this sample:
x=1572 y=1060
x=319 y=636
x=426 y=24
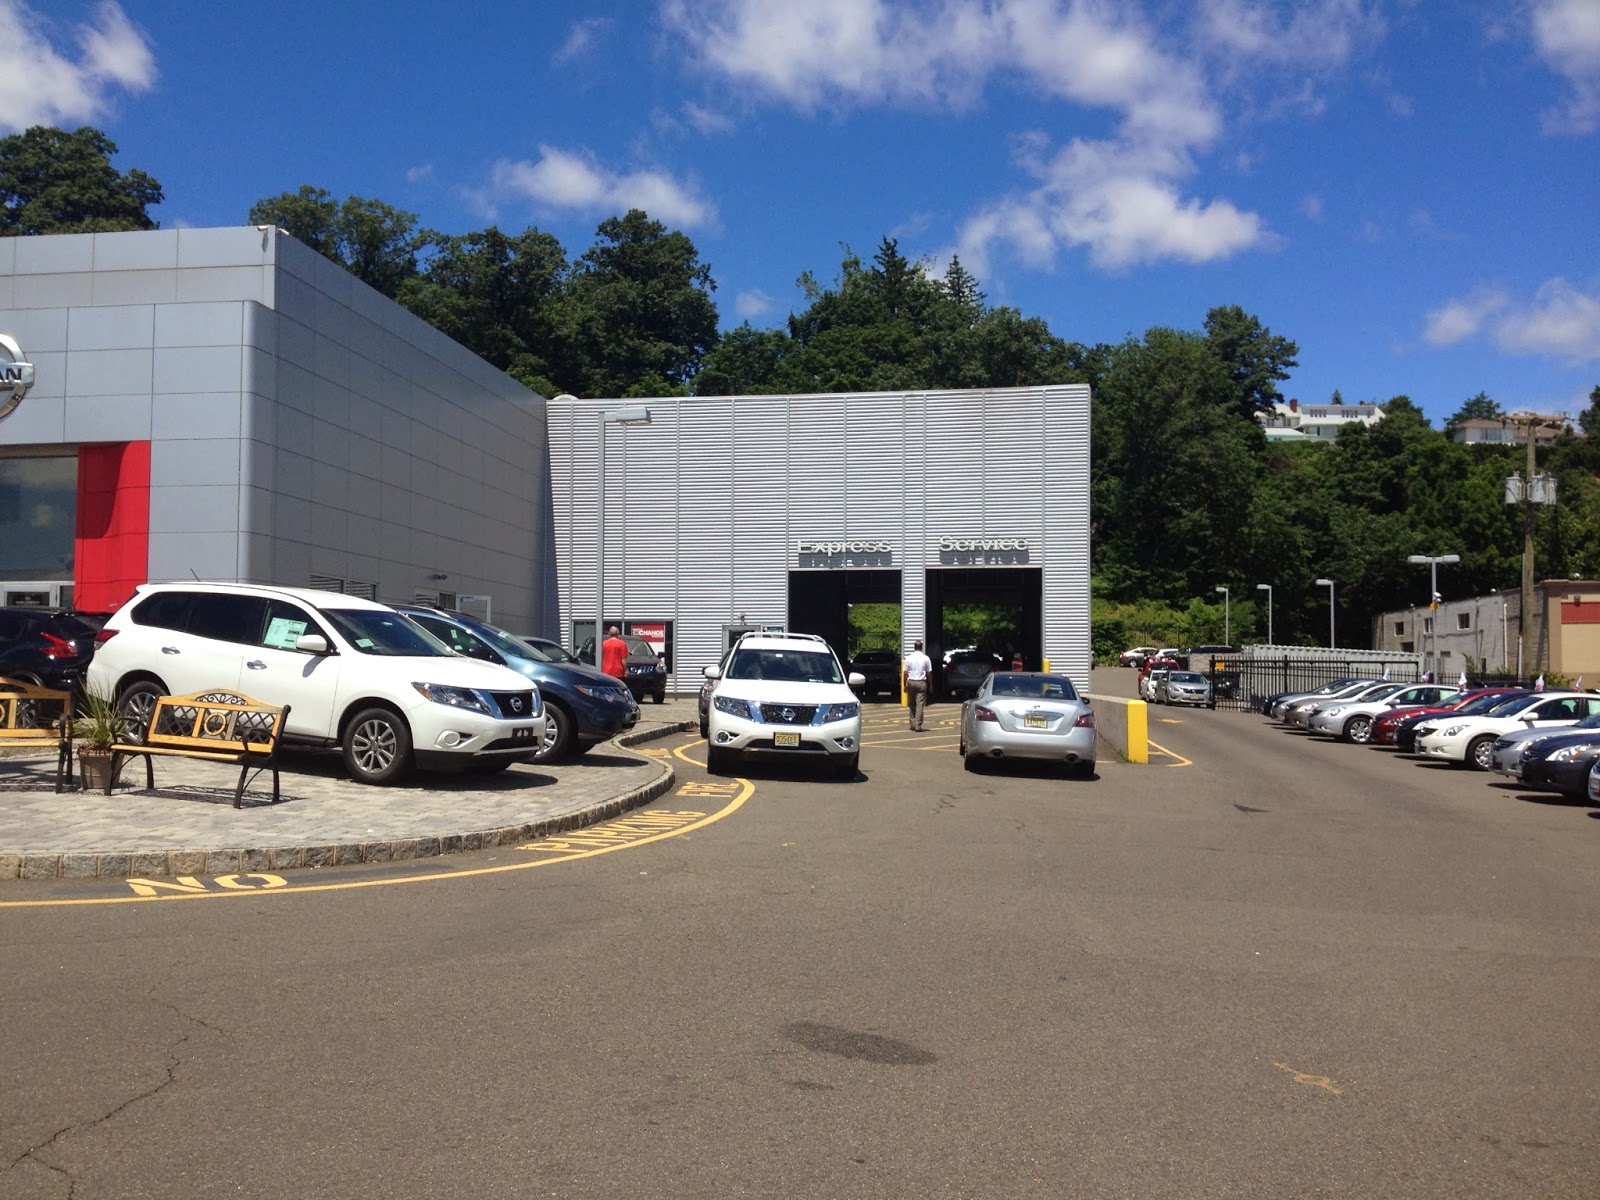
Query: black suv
x=647 y=670
x=47 y=646
x=881 y=669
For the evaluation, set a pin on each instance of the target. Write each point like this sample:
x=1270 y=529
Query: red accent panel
x=112 y=543
x=1580 y=612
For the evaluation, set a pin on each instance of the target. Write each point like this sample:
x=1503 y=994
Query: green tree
x=1479 y=408
x=1255 y=358
x=375 y=242
x=1589 y=418
x=52 y=181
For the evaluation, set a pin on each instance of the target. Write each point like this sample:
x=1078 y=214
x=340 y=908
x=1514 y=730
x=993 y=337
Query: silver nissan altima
x=1028 y=714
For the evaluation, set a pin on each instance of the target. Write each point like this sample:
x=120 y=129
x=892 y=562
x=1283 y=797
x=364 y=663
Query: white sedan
x=1351 y=720
x=1506 y=757
x=1298 y=716
x=1470 y=740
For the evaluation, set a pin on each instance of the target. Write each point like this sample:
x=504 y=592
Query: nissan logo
x=516 y=704
x=16 y=376
x=786 y=713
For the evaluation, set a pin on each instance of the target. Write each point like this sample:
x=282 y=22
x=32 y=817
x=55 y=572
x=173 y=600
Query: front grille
x=788 y=714
x=515 y=705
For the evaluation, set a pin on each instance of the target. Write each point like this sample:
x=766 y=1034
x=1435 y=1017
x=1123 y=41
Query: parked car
x=355 y=674
x=1269 y=703
x=582 y=707
x=1348 y=687
x=1183 y=687
x=880 y=669
x=1469 y=740
x=1028 y=714
x=1559 y=761
x=1351 y=720
x=47 y=646
x=1299 y=715
x=1150 y=683
x=707 y=686
x=1135 y=656
x=966 y=670
x=646 y=668
x=784 y=695
x=1386 y=728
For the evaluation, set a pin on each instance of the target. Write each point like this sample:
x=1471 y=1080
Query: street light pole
x=1328 y=583
x=636 y=415
x=1226 y=597
x=1267 y=588
x=1433 y=561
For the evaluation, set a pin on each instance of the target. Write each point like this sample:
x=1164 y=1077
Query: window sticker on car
x=283 y=632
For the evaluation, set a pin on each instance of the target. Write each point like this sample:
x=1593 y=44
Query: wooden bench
x=34 y=717
x=219 y=726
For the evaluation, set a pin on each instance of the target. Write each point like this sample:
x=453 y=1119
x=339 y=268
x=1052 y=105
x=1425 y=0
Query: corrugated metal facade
x=706 y=504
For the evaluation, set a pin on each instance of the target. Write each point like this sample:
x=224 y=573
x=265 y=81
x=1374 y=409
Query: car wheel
x=135 y=704
x=1480 y=752
x=660 y=697
x=705 y=728
x=556 y=744
x=1358 y=730
x=377 y=746
x=970 y=761
x=846 y=768
x=716 y=760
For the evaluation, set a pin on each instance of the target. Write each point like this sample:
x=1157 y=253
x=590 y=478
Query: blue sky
x=1409 y=190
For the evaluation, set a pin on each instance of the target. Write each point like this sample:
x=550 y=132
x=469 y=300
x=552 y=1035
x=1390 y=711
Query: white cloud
x=420 y=173
x=581 y=38
x=561 y=179
x=1311 y=206
x=1566 y=34
x=751 y=304
x=44 y=87
x=1560 y=321
x=706 y=120
x=1315 y=34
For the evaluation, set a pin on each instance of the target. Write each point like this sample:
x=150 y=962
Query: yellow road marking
x=599 y=842
x=1181 y=760
x=1321 y=1081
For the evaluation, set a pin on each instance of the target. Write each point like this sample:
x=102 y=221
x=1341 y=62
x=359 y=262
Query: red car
x=1384 y=727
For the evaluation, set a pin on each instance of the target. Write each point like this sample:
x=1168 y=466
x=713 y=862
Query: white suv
x=355 y=674
x=783 y=694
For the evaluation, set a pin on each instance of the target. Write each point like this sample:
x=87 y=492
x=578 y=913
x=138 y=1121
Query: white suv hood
x=779 y=691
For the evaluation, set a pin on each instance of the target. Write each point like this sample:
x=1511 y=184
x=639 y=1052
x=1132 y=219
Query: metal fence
x=1241 y=684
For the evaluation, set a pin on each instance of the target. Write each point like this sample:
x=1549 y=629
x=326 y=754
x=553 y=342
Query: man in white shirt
x=915 y=674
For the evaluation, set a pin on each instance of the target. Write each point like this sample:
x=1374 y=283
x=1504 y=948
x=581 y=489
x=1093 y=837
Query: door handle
x=170 y=650
x=255 y=664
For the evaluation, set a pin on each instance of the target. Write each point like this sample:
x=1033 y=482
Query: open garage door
x=820 y=601
x=995 y=609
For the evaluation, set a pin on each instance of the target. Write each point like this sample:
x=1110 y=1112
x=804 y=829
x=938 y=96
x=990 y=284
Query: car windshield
x=639 y=648
x=382 y=632
x=549 y=651
x=1515 y=705
x=793 y=666
x=1046 y=687
x=1185 y=677
x=1483 y=704
x=502 y=641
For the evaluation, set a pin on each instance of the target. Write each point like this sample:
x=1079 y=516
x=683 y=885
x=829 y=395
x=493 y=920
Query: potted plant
x=100 y=726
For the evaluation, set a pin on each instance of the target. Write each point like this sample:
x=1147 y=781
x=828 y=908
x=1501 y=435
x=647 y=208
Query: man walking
x=915 y=675
x=614 y=654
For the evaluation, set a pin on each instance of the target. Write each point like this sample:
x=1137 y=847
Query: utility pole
x=1527 y=551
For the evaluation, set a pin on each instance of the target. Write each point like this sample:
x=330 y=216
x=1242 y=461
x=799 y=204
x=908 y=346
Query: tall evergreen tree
x=52 y=181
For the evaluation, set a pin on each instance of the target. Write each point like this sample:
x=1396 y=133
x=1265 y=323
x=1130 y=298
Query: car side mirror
x=712 y=672
x=312 y=643
x=857 y=679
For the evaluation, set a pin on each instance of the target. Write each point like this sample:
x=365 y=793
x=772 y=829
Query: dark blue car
x=583 y=707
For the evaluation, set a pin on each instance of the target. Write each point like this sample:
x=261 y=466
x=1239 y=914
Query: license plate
x=523 y=733
x=786 y=739
x=1035 y=721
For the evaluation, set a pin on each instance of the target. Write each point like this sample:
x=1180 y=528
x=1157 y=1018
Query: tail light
x=104 y=636
x=55 y=647
x=985 y=714
x=1086 y=721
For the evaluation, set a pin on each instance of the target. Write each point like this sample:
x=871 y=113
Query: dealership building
x=226 y=404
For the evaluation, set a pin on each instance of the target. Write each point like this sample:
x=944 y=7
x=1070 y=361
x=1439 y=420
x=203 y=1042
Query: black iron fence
x=1242 y=684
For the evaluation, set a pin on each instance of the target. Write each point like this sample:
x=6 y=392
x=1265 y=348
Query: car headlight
x=1569 y=753
x=842 y=712
x=602 y=691
x=1452 y=730
x=1332 y=712
x=455 y=697
x=733 y=706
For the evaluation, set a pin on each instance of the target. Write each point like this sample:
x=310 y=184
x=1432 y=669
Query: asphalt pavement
x=187 y=824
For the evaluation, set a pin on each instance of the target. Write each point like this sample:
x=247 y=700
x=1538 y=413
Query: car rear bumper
x=995 y=742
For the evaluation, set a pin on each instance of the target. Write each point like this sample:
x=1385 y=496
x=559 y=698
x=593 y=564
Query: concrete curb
x=254 y=860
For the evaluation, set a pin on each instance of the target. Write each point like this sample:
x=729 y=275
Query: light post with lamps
x=1433 y=561
x=636 y=415
x=1226 y=597
x=1328 y=583
x=1267 y=588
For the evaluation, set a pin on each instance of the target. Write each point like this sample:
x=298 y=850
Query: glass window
x=384 y=632
x=458 y=639
x=225 y=617
x=38 y=517
x=164 y=610
x=286 y=624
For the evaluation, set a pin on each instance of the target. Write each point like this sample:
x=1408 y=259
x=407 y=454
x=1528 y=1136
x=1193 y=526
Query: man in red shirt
x=614 y=654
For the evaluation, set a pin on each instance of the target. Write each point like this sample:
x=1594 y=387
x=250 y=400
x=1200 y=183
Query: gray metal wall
x=705 y=505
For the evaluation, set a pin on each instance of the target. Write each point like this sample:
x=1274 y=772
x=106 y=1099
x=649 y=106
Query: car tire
x=1358 y=730
x=377 y=746
x=559 y=728
x=705 y=728
x=847 y=768
x=660 y=697
x=1480 y=752
x=716 y=760
x=970 y=761
x=135 y=703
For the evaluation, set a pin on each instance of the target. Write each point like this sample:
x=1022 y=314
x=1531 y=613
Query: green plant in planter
x=98 y=724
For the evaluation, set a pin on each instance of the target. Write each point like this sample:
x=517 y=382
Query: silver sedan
x=1028 y=714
